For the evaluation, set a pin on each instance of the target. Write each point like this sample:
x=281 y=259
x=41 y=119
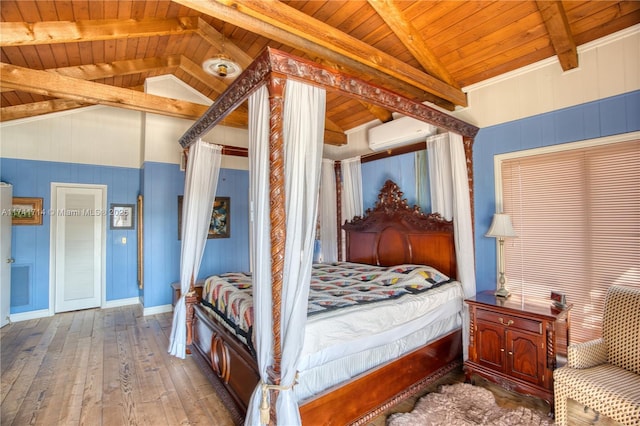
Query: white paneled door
x=78 y=231
x=6 y=194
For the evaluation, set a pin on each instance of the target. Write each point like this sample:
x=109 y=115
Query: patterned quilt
x=333 y=286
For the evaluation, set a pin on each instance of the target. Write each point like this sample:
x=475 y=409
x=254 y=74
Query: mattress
x=313 y=380
x=352 y=307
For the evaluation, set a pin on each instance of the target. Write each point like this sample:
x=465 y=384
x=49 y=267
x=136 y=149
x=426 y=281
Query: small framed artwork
x=220 y=224
x=220 y=218
x=122 y=216
x=26 y=211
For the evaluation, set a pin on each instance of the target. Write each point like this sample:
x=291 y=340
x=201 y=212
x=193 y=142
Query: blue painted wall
x=401 y=169
x=607 y=117
x=30 y=244
x=162 y=183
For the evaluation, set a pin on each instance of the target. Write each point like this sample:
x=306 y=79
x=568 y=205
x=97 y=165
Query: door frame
x=52 y=240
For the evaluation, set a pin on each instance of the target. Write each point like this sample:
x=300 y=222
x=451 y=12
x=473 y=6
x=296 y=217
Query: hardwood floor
x=101 y=367
x=111 y=367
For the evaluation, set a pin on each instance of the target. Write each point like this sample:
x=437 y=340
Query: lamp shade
x=501 y=227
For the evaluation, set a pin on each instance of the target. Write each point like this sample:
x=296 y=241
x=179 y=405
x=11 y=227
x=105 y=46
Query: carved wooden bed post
x=277 y=216
x=338 y=173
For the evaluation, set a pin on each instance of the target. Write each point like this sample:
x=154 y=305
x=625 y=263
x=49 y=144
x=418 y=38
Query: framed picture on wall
x=26 y=211
x=220 y=224
x=122 y=216
x=220 y=218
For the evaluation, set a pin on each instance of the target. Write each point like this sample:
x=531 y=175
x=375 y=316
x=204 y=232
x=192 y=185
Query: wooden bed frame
x=391 y=233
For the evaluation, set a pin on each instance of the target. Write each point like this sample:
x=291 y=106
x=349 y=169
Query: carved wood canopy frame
x=273 y=68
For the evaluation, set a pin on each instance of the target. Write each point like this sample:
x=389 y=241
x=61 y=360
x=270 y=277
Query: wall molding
x=29 y=315
x=161 y=309
x=121 y=302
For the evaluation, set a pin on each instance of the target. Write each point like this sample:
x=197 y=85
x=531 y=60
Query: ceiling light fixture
x=222 y=65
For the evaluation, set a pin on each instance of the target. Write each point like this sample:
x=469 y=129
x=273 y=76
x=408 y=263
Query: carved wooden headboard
x=392 y=233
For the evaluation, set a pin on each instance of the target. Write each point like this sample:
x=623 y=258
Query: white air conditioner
x=401 y=131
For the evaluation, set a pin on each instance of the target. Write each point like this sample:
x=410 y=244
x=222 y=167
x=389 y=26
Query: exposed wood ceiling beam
x=116 y=68
x=38 y=108
x=58 y=86
x=555 y=19
x=26 y=33
x=380 y=113
x=412 y=39
x=287 y=25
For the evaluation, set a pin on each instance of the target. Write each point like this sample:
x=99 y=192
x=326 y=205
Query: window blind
x=577 y=217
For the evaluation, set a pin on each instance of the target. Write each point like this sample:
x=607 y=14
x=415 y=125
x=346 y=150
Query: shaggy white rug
x=463 y=404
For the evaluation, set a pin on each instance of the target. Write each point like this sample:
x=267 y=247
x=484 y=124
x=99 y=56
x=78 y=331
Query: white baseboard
x=157 y=310
x=121 y=302
x=24 y=316
x=43 y=313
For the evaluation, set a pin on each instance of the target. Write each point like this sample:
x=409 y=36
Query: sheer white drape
x=303 y=124
x=261 y=247
x=352 y=204
x=201 y=180
x=422 y=179
x=450 y=198
x=440 y=177
x=328 y=229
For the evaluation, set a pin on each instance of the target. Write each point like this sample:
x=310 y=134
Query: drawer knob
x=508 y=323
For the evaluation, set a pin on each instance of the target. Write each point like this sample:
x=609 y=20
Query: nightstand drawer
x=510 y=321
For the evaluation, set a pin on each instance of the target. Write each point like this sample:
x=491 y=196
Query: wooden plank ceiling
x=59 y=55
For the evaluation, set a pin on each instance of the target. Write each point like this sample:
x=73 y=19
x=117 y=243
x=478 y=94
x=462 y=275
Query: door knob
x=11 y=260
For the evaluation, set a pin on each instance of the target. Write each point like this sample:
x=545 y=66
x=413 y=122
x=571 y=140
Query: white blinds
x=577 y=216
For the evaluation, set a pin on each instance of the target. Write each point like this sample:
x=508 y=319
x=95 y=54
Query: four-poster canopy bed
x=390 y=234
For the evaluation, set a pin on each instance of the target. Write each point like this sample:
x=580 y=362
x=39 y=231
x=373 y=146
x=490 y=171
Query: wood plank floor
x=101 y=367
x=111 y=367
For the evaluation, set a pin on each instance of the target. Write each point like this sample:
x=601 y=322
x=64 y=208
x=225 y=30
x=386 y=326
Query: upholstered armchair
x=604 y=374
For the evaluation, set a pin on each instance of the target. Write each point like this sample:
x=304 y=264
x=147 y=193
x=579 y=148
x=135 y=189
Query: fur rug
x=463 y=404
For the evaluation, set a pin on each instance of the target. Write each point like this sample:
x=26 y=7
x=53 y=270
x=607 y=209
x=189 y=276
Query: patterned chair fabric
x=604 y=374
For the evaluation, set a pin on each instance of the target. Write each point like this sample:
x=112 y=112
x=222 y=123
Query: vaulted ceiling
x=59 y=55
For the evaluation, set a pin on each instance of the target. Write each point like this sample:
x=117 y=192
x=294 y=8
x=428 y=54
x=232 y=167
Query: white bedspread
x=338 y=334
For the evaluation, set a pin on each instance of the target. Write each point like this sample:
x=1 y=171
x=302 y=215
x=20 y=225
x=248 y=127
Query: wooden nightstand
x=175 y=291
x=516 y=343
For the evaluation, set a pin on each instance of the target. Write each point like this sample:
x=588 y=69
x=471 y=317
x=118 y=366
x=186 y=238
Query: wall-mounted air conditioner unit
x=401 y=131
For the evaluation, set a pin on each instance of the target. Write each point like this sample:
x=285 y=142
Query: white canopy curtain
x=200 y=185
x=422 y=179
x=450 y=197
x=352 y=204
x=303 y=124
x=328 y=229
